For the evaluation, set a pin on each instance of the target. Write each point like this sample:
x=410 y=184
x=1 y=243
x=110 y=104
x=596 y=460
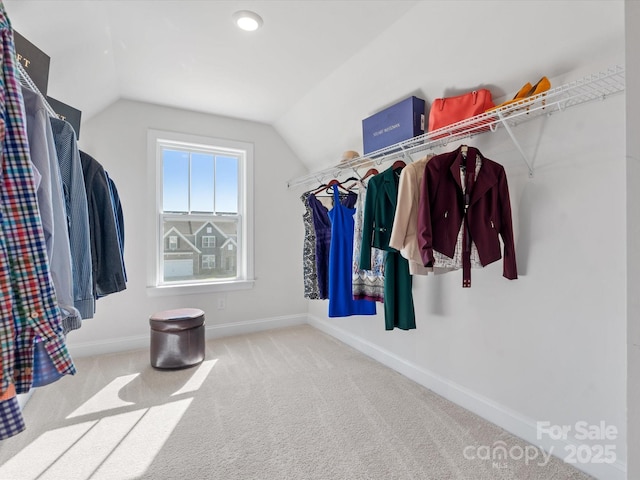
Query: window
x=203 y=196
x=208 y=261
x=208 y=242
x=173 y=242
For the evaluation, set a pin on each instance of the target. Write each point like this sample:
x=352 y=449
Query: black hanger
x=335 y=182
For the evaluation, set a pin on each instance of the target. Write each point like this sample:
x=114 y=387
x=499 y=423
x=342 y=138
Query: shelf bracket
x=516 y=143
x=407 y=156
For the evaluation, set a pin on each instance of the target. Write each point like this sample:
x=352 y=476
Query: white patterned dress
x=366 y=284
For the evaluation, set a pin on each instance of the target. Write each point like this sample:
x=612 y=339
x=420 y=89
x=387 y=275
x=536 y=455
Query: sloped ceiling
x=316 y=68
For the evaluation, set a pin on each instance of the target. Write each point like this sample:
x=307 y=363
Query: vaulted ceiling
x=317 y=67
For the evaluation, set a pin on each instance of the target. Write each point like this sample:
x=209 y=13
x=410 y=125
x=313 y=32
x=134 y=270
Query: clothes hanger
x=370 y=172
x=320 y=188
x=398 y=164
x=26 y=81
x=335 y=182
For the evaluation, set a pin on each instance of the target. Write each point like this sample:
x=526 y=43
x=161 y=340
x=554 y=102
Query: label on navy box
x=386 y=130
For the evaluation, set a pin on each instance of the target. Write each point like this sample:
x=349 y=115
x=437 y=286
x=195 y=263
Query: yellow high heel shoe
x=542 y=86
x=526 y=93
x=522 y=93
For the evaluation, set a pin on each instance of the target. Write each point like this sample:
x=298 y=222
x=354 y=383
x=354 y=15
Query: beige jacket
x=404 y=232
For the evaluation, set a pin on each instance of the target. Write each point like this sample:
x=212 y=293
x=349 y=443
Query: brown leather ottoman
x=177 y=338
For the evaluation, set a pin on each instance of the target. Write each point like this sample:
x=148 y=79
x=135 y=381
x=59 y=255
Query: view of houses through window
x=200 y=217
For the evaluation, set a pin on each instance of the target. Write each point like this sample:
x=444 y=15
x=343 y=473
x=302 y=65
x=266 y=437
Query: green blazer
x=379 y=211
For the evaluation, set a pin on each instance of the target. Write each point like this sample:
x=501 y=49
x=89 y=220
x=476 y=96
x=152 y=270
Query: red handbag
x=445 y=111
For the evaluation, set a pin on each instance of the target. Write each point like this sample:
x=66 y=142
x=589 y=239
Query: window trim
x=245 y=278
x=209 y=237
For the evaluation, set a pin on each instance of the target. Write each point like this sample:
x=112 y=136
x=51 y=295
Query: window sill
x=193 y=289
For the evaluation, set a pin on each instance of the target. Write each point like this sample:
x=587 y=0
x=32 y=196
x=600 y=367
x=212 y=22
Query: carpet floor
x=291 y=403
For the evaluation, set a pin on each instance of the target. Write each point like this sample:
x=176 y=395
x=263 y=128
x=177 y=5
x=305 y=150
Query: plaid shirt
x=11 y=421
x=34 y=310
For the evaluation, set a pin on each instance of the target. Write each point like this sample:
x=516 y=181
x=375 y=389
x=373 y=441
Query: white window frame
x=156 y=139
x=211 y=241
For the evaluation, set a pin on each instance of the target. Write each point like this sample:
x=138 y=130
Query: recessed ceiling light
x=247 y=20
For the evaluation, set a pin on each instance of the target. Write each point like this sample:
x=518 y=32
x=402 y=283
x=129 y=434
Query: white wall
x=549 y=346
x=117 y=138
x=632 y=20
x=446 y=48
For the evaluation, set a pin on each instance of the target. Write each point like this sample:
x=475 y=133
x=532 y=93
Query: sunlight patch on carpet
x=38 y=456
x=135 y=453
x=118 y=446
x=105 y=399
x=198 y=378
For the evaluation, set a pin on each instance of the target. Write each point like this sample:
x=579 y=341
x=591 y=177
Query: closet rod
x=597 y=86
x=26 y=81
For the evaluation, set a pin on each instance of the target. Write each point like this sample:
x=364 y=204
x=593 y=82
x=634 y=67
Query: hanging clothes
x=75 y=197
x=322 y=228
x=51 y=205
x=11 y=420
x=54 y=223
x=456 y=262
x=116 y=205
x=107 y=264
x=310 y=269
x=379 y=212
x=341 y=301
x=481 y=211
x=28 y=296
x=405 y=221
x=366 y=284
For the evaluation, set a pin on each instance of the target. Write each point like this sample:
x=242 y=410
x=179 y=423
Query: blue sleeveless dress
x=341 y=302
x=322 y=227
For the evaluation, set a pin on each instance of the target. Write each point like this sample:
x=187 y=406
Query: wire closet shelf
x=597 y=86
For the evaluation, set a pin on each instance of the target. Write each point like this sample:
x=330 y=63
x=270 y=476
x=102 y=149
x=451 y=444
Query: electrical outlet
x=222 y=303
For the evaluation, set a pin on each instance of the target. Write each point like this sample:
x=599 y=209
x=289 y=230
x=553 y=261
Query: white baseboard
x=512 y=421
x=86 y=349
x=251 y=326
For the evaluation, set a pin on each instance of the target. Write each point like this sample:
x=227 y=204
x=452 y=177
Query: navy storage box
x=394 y=124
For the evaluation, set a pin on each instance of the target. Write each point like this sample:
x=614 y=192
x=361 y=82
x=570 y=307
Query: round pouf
x=177 y=338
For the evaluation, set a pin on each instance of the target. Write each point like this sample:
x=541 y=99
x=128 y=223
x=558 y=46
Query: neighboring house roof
x=218 y=227
x=176 y=231
x=185 y=228
x=192 y=227
x=228 y=241
x=230 y=229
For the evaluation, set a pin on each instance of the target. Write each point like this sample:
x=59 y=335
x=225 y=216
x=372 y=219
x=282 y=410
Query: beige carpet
x=291 y=403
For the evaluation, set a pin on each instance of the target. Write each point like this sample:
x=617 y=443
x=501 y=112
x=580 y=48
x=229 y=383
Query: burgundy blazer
x=441 y=210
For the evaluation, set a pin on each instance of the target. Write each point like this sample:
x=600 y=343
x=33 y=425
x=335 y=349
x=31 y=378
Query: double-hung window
x=203 y=212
